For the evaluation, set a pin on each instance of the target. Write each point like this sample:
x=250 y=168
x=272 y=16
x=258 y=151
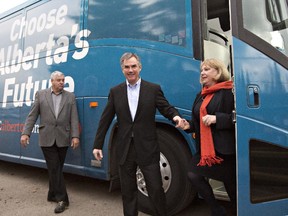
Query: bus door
x=260 y=63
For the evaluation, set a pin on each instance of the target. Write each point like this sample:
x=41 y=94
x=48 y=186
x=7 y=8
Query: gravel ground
x=23 y=192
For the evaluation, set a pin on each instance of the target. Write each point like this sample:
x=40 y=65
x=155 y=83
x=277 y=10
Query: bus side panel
x=260 y=86
x=73 y=161
x=9 y=133
x=93 y=108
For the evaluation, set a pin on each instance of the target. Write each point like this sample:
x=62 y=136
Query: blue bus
x=84 y=39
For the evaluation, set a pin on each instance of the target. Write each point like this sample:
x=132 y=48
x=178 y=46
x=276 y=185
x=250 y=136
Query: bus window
x=8 y=38
x=50 y=25
x=270 y=26
x=8 y=44
x=161 y=21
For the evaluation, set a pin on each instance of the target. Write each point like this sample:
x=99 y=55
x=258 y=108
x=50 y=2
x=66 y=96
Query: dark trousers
x=55 y=157
x=129 y=189
x=225 y=172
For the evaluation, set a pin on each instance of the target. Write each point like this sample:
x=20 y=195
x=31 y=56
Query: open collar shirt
x=56 y=98
x=133 y=96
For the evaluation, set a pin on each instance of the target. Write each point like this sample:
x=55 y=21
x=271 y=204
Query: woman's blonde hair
x=223 y=73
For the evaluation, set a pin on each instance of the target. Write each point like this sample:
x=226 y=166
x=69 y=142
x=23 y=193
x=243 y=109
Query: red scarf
x=208 y=155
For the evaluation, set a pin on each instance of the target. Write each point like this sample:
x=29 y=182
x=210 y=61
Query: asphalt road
x=23 y=192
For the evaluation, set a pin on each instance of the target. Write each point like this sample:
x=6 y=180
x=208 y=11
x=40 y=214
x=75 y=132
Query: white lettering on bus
x=22 y=27
x=55 y=50
x=29 y=58
x=20 y=93
x=81 y=54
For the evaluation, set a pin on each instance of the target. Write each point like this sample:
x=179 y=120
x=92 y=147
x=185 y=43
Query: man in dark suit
x=59 y=125
x=135 y=102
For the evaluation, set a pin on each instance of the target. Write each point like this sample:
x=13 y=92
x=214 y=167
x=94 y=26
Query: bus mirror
x=277 y=14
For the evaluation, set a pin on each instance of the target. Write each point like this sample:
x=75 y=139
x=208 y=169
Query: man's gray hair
x=56 y=73
x=129 y=55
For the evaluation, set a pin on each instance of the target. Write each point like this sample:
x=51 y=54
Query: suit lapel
x=48 y=96
x=125 y=99
x=141 y=96
x=63 y=101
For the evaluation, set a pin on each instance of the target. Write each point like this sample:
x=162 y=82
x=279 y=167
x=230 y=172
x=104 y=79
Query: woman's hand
x=209 y=119
x=184 y=125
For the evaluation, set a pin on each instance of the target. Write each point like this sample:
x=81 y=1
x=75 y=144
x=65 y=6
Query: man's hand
x=75 y=142
x=179 y=121
x=24 y=140
x=98 y=154
x=184 y=124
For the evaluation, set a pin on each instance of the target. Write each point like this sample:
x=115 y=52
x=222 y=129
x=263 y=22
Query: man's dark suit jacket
x=223 y=132
x=143 y=129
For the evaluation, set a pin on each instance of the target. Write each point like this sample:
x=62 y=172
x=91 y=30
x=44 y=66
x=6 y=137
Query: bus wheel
x=174 y=158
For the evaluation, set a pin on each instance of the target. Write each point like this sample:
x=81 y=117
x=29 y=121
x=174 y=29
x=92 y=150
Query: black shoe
x=61 y=206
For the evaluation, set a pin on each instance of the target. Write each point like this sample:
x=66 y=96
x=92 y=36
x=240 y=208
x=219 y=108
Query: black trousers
x=129 y=189
x=55 y=157
x=225 y=172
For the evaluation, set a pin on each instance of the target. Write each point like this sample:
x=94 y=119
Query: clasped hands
x=181 y=123
x=184 y=124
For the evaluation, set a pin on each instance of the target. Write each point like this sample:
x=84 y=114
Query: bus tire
x=174 y=159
